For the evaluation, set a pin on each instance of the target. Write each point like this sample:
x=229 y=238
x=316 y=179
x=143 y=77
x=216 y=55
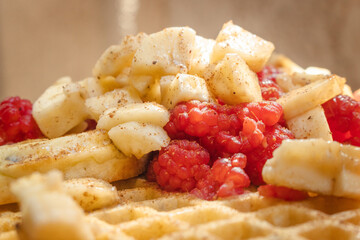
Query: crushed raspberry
x=222 y=129
x=284 y=193
x=343 y=115
x=239 y=140
x=180 y=165
x=16 y=121
x=270 y=90
x=230 y=176
x=256 y=159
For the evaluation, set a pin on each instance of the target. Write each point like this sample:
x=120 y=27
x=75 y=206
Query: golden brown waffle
x=146 y=212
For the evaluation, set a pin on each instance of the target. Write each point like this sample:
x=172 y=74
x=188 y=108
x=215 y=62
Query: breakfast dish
x=181 y=137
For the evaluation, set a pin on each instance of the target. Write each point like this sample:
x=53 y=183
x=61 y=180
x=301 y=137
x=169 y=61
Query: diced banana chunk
x=153 y=94
x=285 y=63
x=310 y=75
x=201 y=55
x=184 y=87
x=305 y=98
x=347 y=91
x=91 y=193
x=117 y=57
x=233 y=82
x=59 y=108
x=90 y=87
x=166 y=52
x=116 y=98
x=310 y=124
x=138 y=139
x=48 y=212
x=149 y=112
x=234 y=39
x=316 y=165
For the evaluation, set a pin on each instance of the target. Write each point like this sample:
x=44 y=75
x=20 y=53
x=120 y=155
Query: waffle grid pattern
x=145 y=212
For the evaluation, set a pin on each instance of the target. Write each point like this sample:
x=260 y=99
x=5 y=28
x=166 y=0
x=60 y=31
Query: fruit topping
x=343 y=115
x=16 y=121
x=257 y=157
x=237 y=141
x=180 y=165
x=270 y=90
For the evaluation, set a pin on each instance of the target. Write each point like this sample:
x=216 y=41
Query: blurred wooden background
x=42 y=40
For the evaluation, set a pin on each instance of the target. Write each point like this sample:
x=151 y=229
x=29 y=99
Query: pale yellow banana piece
x=305 y=98
x=117 y=57
x=91 y=193
x=138 y=139
x=116 y=98
x=233 y=82
x=88 y=154
x=310 y=124
x=201 y=55
x=316 y=165
x=48 y=211
x=184 y=87
x=234 y=39
x=59 y=108
x=166 y=52
x=148 y=112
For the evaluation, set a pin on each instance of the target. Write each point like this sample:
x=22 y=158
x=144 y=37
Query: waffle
x=146 y=212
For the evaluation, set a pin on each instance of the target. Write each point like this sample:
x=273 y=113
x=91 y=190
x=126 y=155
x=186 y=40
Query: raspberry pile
x=16 y=121
x=270 y=90
x=343 y=115
x=236 y=140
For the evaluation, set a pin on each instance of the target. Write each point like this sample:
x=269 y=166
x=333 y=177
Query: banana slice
x=305 y=98
x=310 y=124
x=88 y=154
x=59 y=108
x=184 y=87
x=148 y=112
x=166 y=52
x=234 y=39
x=48 y=211
x=138 y=139
x=316 y=165
x=233 y=82
x=116 y=98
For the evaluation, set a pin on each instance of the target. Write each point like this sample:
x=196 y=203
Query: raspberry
x=239 y=139
x=16 y=121
x=256 y=158
x=230 y=176
x=270 y=90
x=191 y=118
x=268 y=112
x=223 y=130
x=343 y=115
x=284 y=193
x=180 y=165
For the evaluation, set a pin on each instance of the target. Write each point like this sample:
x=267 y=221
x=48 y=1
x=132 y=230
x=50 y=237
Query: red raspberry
x=343 y=115
x=284 y=193
x=270 y=90
x=230 y=176
x=180 y=165
x=256 y=158
x=222 y=129
x=268 y=112
x=16 y=121
x=191 y=118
